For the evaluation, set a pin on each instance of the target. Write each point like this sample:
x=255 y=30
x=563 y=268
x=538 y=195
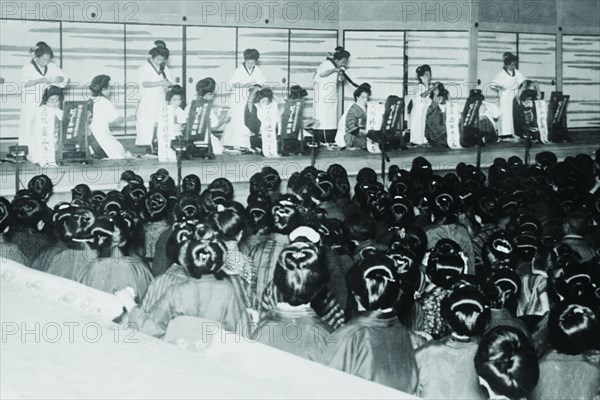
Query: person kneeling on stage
x=351 y=133
x=205 y=89
x=104 y=113
x=435 y=124
x=170 y=121
x=525 y=115
x=267 y=112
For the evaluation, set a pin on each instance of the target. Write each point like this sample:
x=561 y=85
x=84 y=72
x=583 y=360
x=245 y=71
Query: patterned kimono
x=176 y=275
x=377 y=347
x=349 y=127
x=435 y=125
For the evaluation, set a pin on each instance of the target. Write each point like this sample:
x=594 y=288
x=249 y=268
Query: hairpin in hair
x=388 y=277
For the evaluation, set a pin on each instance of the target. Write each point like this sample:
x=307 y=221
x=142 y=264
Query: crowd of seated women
x=463 y=285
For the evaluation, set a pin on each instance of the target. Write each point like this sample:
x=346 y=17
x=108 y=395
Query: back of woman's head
x=99 y=83
x=159 y=49
x=503 y=288
x=191 y=185
x=182 y=233
x=466 y=311
x=40 y=49
x=299 y=274
x=574 y=328
x=507 y=362
x=204 y=257
x=340 y=53
x=445 y=263
x=228 y=223
x=6 y=215
x=102 y=232
x=156 y=206
x=373 y=282
x=361 y=227
x=29 y=213
x=41 y=186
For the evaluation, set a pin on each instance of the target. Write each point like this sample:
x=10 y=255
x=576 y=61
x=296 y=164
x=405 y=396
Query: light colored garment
x=325 y=102
x=208 y=297
x=377 y=347
x=447 y=371
x=510 y=85
x=113 y=274
x=104 y=113
x=72 y=263
x=265 y=256
x=151 y=99
x=268 y=114
x=44 y=132
x=31 y=96
x=236 y=133
x=169 y=127
x=418 y=115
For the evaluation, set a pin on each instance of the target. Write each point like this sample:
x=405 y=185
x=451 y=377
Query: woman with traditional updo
x=298 y=277
x=570 y=369
x=506 y=364
x=419 y=103
x=115 y=267
x=236 y=134
x=153 y=78
x=104 y=113
x=506 y=83
x=351 y=133
x=374 y=344
x=36 y=76
x=207 y=293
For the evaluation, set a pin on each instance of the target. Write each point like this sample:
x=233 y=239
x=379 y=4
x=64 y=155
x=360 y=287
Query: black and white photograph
x=300 y=199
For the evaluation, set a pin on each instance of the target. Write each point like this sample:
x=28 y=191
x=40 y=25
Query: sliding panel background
x=537 y=60
x=491 y=46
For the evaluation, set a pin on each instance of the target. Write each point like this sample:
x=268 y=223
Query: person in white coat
x=36 y=76
x=154 y=77
x=506 y=83
x=325 y=102
x=104 y=113
x=236 y=133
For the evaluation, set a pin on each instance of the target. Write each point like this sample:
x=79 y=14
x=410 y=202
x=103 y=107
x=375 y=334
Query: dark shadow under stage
x=104 y=175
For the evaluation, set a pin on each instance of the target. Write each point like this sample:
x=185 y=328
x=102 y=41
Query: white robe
x=507 y=95
x=418 y=116
x=325 y=102
x=42 y=149
x=167 y=131
x=236 y=133
x=104 y=113
x=151 y=99
x=31 y=96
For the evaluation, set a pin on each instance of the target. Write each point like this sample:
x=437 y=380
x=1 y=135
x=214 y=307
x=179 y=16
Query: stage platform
x=104 y=175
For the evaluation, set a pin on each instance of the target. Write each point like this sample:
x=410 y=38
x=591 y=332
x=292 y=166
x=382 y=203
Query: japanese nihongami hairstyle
x=99 y=83
x=61 y=216
x=260 y=219
x=445 y=263
x=182 y=233
x=203 y=257
x=299 y=273
x=205 y=86
x=264 y=93
x=574 y=328
x=509 y=58
x=228 y=223
x=421 y=71
x=40 y=49
x=41 y=187
x=29 y=214
x=251 y=54
x=507 y=362
x=156 y=206
x=503 y=288
x=363 y=88
x=191 y=185
x=466 y=310
x=6 y=215
x=110 y=232
x=159 y=49
x=175 y=90
x=52 y=91
x=373 y=284
x=340 y=53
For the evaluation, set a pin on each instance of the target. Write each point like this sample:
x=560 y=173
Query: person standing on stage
x=506 y=83
x=325 y=102
x=45 y=127
x=154 y=78
x=236 y=134
x=36 y=75
x=418 y=105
